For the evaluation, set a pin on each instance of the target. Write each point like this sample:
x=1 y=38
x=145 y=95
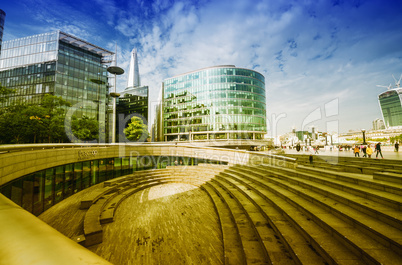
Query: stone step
x=346 y=184
x=273 y=243
x=357 y=179
x=255 y=252
x=290 y=246
x=319 y=240
x=376 y=210
x=389 y=177
x=384 y=226
x=232 y=246
x=362 y=244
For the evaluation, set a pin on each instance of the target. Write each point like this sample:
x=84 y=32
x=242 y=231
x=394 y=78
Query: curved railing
x=19 y=160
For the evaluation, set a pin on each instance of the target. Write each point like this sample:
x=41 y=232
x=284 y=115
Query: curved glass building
x=220 y=102
x=391 y=107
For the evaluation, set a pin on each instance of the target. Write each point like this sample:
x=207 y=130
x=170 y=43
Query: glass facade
x=391 y=107
x=39 y=191
x=222 y=102
x=59 y=64
x=134 y=101
x=2 y=19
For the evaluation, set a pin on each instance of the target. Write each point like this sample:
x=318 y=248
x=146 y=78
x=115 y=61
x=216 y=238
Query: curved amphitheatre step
x=331 y=220
x=232 y=244
x=363 y=181
x=364 y=194
x=309 y=242
x=277 y=248
x=255 y=251
x=360 y=165
x=103 y=203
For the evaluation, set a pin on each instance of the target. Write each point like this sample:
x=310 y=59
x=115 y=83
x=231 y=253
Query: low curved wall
x=25 y=239
x=20 y=160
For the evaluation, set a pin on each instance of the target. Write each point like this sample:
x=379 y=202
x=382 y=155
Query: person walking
x=396 y=147
x=364 y=150
x=369 y=151
x=357 y=151
x=378 y=150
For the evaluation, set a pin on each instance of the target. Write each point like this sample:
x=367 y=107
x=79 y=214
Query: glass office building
x=2 y=19
x=220 y=102
x=59 y=64
x=391 y=107
x=132 y=102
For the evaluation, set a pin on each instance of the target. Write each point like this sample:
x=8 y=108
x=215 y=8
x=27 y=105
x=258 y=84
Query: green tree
x=136 y=131
x=21 y=123
x=85 y=129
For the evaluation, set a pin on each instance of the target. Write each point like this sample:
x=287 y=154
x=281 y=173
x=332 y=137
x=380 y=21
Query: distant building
x=391 y=107
x=220 y=102
x=59 y=64
x=2 y=19
x=378 y=124
x=134 y=99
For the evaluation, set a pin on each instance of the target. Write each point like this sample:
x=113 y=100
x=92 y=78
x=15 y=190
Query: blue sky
x=321 y=59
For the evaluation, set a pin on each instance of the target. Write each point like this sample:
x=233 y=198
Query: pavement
x=387 y=154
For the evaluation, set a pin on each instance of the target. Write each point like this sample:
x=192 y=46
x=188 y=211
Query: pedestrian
x=357 y=151
x=369 y=151
x=396 y=147
x=378 y=150
x=364 y=150
x=175 y=163
x=311 y=159
x=316 y=150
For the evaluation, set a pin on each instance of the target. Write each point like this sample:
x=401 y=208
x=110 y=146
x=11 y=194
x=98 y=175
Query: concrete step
x=272 y=242
x=288 y=244
x=362 y=244
x=319 y=239
x=232 y=244
x=255 y=252
x=388 y=176
x=382 y=225
x=375 y=191
x=358 y=179
x=375 y=209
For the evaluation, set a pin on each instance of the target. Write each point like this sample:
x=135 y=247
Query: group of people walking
x=367 y=150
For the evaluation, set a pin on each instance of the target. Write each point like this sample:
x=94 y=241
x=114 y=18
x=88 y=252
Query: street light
x=364 y=136
x=115 y=70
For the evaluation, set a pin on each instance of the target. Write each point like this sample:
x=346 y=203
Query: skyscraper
x=391 y=107
x=133 y=101
x=60 y=64
x=133 y=79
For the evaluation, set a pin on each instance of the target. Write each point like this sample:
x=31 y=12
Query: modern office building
x=60 y=64
x=220 y=102
x=378 y=124
x=2 y=19
x=391 y=107
x=133 y=101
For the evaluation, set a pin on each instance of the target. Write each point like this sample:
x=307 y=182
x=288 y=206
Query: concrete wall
x=20 y=160
x=27 y=240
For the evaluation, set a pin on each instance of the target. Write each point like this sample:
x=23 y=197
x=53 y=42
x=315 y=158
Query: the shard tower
x=133 y=72
x=133 y=101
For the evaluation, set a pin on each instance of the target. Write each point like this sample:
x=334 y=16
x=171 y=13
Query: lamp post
x=115 y=70
x=364 y=136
